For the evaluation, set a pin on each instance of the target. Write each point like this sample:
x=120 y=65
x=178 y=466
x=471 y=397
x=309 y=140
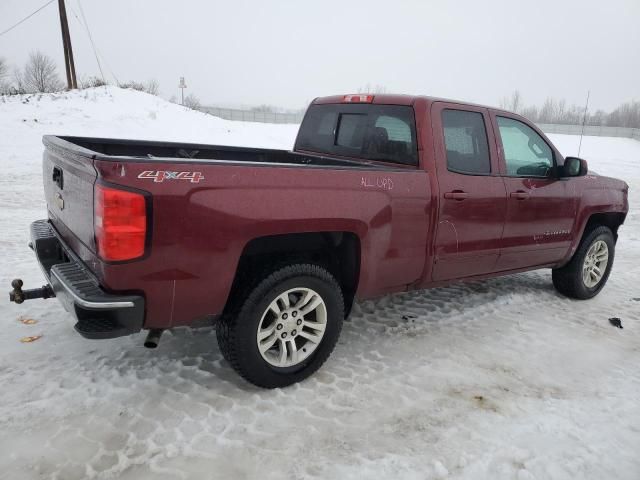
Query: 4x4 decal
x=159 y=176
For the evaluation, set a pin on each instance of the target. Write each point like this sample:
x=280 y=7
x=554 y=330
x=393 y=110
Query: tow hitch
x=18 y=295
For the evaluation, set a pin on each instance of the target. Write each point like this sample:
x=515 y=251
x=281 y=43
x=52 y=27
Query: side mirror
x=574 y=167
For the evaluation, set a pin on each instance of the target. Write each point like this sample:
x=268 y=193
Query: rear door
x=472 y=203
x=541 y=207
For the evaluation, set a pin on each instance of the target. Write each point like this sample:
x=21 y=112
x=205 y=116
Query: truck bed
x=200 y=224
x=145 y=151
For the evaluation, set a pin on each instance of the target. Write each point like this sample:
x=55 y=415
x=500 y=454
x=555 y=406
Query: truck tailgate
x=69 y=179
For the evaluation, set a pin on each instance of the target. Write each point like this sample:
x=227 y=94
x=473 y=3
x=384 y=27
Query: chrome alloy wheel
x=595 y=263
x=292 y=327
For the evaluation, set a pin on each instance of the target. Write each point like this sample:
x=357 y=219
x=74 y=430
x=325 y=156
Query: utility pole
x=69 y=64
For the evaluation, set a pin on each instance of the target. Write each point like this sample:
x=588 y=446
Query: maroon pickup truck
x=382 y=193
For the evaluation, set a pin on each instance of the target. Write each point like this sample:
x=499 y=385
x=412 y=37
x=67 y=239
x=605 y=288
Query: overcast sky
x=288 y=52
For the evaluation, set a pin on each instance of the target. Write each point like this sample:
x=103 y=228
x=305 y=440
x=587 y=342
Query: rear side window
x=465 y=138
x=374 y=132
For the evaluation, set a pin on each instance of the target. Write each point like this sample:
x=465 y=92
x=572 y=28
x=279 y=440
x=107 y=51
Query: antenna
x=584 y=119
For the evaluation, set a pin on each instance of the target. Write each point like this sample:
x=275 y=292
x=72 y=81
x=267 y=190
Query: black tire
x=237 y=330
x=568 y=279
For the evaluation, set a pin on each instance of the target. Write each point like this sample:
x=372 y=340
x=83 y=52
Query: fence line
x=591 y=130
x=253 y=116
x=296 y=118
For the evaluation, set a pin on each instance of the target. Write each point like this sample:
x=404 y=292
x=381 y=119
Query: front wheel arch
x=568 y=279
x=611 y=220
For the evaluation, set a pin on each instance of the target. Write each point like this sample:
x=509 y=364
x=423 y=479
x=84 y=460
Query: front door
x=541 y=207
x=472 y=203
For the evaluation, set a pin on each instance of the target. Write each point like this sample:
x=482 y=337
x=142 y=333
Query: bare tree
x=40 y=74
x=548 y=111
x=368 y=88
x=559 y=112
x=597 y=118
x=191 y=101
x=516 y=101
x=264 y=108
x=152 y=86
x=18 y=87
x=626 y=115
x=531 y=113
x=4 y=68
x=92 y=82
x=513 y=102
x=133 y=85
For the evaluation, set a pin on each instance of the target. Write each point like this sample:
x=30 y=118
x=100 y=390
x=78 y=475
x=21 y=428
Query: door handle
x=456 y=195
x=520 y=195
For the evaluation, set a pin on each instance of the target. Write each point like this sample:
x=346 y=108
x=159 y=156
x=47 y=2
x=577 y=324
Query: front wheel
x=285 y=328
x=587 y=272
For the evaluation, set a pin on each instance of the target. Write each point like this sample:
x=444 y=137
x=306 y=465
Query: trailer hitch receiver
x=18 y=295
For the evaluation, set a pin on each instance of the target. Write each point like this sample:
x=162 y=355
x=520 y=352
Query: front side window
x=374 y=132
x=465 y=138
x=526 y=154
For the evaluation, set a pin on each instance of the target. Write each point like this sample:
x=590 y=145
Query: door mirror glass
x=574 y=167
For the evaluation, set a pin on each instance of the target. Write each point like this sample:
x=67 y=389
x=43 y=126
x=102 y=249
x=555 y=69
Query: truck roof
x=391 y=99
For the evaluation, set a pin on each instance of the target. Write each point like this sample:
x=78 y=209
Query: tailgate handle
x=57 y=177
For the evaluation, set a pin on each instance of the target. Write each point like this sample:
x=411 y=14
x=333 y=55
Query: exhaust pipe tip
x=153 y=338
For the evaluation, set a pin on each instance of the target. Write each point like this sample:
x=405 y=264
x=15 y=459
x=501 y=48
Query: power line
x=108 y=65
x=93 y=45
x=84 y=23
x=96 y=50
x=25 y=18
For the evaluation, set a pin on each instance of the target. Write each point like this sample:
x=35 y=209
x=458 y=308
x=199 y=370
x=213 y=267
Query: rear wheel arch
x=337 y=251
x=267 y=343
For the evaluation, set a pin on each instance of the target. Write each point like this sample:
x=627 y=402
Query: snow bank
x=501 y=379
x=115 y=112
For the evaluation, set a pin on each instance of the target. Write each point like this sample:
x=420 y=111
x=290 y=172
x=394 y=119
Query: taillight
x=120 y=223
x=358 y=98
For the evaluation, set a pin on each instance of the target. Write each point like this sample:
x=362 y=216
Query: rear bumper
x=99 y=314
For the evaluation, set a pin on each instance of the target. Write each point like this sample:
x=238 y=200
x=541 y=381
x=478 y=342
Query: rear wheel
x=587 y=272
x=285 y=328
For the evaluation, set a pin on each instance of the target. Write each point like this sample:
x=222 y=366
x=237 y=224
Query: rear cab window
x=384 y=133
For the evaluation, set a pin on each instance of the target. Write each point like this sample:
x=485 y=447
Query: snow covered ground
x=501 y=379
